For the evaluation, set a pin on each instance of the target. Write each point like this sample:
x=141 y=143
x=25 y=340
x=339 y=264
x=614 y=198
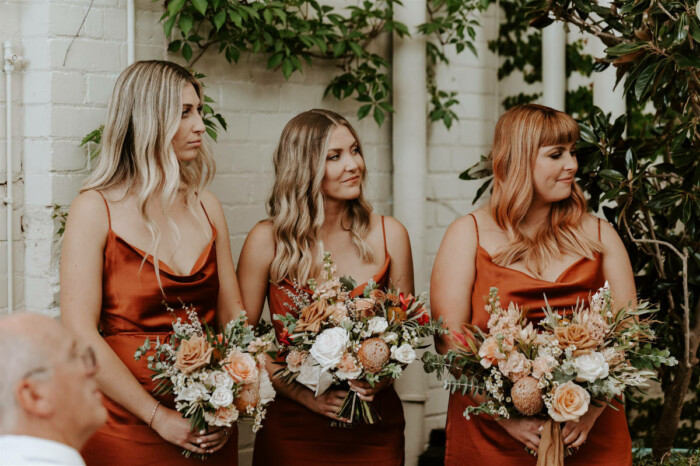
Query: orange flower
x=569 y=403
x=193 y=354
x=575 y=335
x=241 y=367
x=396 y=315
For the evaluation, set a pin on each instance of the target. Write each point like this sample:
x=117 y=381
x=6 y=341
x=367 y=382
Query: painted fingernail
x=201 y=431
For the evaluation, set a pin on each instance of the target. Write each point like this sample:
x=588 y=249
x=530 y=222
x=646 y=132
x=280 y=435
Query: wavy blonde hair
x=143 y=115
x=519 y=134
x=296 y=203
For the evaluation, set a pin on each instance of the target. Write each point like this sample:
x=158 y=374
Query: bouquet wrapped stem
x=356 y=411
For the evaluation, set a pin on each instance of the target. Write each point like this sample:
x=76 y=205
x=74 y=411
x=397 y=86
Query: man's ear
x=34 y=398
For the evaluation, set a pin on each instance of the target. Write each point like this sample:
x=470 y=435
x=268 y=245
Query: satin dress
x=133 y=308
x=293 y=435
x=481 y=440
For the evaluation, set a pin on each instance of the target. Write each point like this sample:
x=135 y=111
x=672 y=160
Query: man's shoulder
x=23 y=450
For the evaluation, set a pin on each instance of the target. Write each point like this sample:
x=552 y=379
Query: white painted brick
x=148 y=28
x=439 y=159
x=100 y=87
x=38 y=293
x=238 y=125
x=66 y=187
x=261 y=187
x=295 y=95
x=66 y=19
x=148 y=52
x=9 y=19
x=231 y=189
x=114 y=23
x=87 y=55
x=68 y=156
x=37 y=120
x=266 y=126
x=75 y=122
x=250 y=96
x=67 y=88
x=37 y=53
x=436 y=402
x=36 y=87
x=37 y=156
x=16 y=221
x=242 y=218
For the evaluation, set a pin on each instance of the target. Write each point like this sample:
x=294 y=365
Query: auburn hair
x=519 y=134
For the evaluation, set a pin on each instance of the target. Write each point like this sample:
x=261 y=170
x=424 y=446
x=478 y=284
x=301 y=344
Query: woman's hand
x=365 y=391
x=328 y=404
x=526 y=430
x=576 y=433
x=177 y=430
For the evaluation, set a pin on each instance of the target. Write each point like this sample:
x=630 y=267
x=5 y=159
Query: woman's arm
x=230 y=302
x=452 y=279
x=81 y=301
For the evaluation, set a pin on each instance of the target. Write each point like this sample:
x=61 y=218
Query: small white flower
x=377 y=325
x=404 y=353
x=193 y=392
x=390 y=337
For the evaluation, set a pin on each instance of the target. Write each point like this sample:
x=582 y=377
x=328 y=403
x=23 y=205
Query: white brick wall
x=57 y=104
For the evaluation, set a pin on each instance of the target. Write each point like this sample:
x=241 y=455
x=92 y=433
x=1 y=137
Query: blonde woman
x=144 y=233
x=317 y=205
x=533 y=238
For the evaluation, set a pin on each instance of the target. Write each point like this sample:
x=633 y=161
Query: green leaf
x=175 y=6
x=187 y=51
x=645 y=77
x=625 y=48
x=200 y=5
x=684 y=61
x=275 y=60
x=168 y=25
x=379 y=116
x=612 y=175
x=287 y=68
x=363 y=111
x=186 y=23
x=339 y=48
x=219 y=19
x=356 y=49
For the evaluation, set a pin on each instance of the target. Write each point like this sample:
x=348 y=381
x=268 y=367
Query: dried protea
x=527 y=397
x=248 y=396
x=373 y=354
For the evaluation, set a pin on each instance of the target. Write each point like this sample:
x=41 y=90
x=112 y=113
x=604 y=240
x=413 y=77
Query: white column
x=409 y=147
x=130 y=26
x=554 y=66
x=604 y=96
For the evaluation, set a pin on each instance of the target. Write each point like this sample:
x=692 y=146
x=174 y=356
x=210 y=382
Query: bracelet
x=153 y=414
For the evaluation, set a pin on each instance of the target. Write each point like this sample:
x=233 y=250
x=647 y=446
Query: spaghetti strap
x=386 y=252
x=206 y=214
x=109 y=217
x=599 y=237
x=476 y=225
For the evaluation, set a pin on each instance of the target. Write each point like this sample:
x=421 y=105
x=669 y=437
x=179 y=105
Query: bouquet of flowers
x=215 y=378
x=594 y=355
x=331 y=337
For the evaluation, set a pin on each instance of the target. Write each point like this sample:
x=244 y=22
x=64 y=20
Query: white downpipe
x=10 y=58
x=409 y=142
x=130 y=27
x=554 y=66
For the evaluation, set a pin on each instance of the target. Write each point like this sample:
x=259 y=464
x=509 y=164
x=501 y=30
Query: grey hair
x=27 y=355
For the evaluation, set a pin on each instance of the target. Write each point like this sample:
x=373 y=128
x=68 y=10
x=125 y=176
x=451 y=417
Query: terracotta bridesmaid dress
x=481 y=440
x=133 y=309
x=293 y=435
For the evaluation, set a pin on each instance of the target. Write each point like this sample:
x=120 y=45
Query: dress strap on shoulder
x=109 y=217
x=205 y=213
x=599 y=237
x=476 y=225
x=386 y=253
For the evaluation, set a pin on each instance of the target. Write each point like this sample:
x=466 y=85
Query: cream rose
x=221 y=398
x=569 y=403
x=241 y=367
x=193 y=354
x=329 y=347
x=403 y=354
x=267 y=391
x=219 y=379
x=590 y=367
x=223 y=417
x=312 y=376
x=377 y=325
x=193 y=392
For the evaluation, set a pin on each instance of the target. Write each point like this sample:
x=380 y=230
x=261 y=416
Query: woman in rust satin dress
x=533 y=238
x=142 y=205
x=317 y=205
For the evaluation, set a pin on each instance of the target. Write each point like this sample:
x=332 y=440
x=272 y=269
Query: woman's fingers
x=194 y=448
x=580 y=440
x=364 y=397
x=571 y=436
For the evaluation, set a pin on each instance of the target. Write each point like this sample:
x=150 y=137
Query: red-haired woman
x=534 y=237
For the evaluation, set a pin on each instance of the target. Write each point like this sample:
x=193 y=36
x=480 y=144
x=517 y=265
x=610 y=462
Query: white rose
x=267 y=392
x=377 y=324
x=404 y=353
x=312 y=376
x=221 y=397
x=193 y=392
x=590 y=367
x=329 y=347
x=390 y=337
x=219 y=379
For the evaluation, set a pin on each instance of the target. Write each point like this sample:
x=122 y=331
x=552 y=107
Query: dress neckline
x=199 y=263
x=520 y=272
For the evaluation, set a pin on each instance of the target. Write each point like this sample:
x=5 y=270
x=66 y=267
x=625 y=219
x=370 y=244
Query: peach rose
x=241 y=367
x=543 y=365
x=569 y=403
x=222 y=417
x=575 y=335
x=490 y=353
x=515 y=367
x=193 y=354
x=364 y=307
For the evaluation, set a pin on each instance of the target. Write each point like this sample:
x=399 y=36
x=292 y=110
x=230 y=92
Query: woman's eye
x=556 y=155
x=333 y=157
x=185 y=113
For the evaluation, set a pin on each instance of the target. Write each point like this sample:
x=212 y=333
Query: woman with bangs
x=145 y=234
x=317 y=205
x=534 y=237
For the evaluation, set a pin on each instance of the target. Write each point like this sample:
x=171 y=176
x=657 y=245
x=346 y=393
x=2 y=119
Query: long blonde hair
x=519 y=134
x=143 y=115
x=296 y=203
